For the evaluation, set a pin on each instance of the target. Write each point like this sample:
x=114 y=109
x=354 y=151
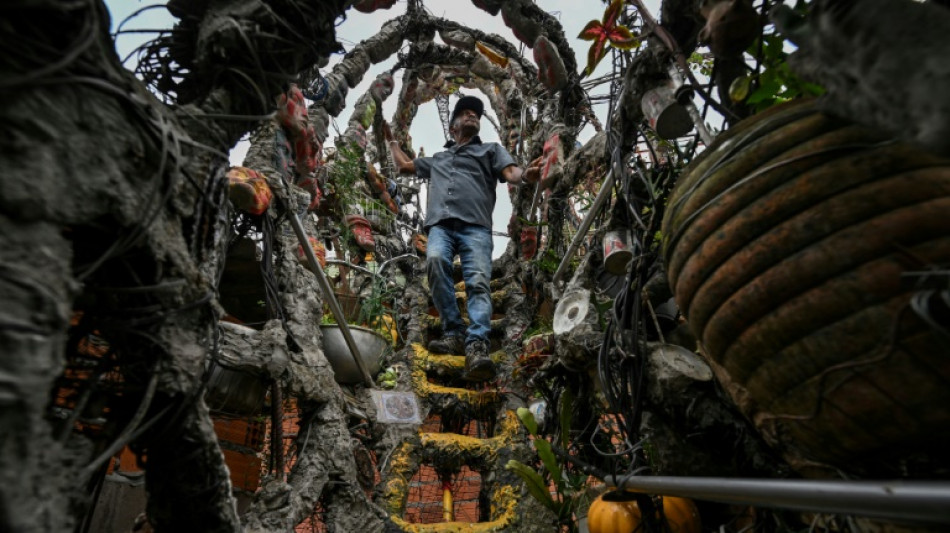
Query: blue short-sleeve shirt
x=462 y=181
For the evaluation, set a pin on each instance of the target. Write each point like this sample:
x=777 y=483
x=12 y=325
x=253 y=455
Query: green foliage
x=569 y=488
x=373 y=305
x=348 y=168
x=537 y=487
x=546 y=453
x=777 y=83
x=345 y=174
x=540 y=325
x=602 y=309
x=548 y=261
x=535 y=484
x=703 y=64
x=607 y=32
x=528 y=420
x=583 y=200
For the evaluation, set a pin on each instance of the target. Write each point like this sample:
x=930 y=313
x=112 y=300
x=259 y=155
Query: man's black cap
x=468 y=102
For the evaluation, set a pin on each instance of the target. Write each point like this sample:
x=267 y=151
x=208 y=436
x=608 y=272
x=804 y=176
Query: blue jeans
x=473 y=244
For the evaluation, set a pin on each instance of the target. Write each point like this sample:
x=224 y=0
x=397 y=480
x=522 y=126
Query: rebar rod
x=919 y=501
x=329 y=296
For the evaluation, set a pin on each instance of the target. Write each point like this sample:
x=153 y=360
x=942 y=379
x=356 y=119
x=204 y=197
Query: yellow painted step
x=435 y=323
x=503 y=505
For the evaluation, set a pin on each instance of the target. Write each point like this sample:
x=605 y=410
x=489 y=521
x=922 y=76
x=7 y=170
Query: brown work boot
x=478 y=364
x=449 y=345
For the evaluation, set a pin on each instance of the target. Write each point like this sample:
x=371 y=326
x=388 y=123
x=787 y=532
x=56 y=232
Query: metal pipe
x=329 y=296
x=698 y=122
x=599 y=201
x=919 y=501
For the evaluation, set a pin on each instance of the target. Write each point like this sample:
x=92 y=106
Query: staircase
x=461 y=450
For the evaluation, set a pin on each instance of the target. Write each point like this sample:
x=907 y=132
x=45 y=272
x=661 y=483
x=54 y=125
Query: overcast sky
x=426 y=128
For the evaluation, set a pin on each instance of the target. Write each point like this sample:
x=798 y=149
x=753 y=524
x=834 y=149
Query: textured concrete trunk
x=112 y=206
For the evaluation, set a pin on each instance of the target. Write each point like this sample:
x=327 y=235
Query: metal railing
x=918 y=501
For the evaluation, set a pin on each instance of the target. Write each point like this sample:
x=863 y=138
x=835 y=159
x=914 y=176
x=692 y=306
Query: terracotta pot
x=786 y=243
x=248 y=190
x=529 y=242
x=362 y=232
x=419 y=242
x=319 y=250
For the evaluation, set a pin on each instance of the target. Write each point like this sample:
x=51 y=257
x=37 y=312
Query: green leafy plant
x=776 y=83
x=343 y=191
x=701 y=63
x=548 y=261
x=605 y=32
x=569 y=494
x=374 y=306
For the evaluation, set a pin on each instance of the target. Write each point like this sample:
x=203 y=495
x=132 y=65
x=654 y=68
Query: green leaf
x=535 y=484
x=739 y=89
x=597 y=52
x=593 y=31
x=612 y=13
x=620 y=37
x=550 y=462
x=528 y=420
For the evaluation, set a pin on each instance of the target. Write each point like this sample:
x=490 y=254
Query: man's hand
x=387 y=132
x=533 y=173
x=403 y=164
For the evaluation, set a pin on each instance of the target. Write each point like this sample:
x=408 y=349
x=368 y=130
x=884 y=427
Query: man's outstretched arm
x=515 y=176
x=403 y=163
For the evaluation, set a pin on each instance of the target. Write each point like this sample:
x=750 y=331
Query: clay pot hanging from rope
x=529 y=242
x=791 y=246
x=362 y=232
x=319 y=251
x=419 y=242
x=248 y=190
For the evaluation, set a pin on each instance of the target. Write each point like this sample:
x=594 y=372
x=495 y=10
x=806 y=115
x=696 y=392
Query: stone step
x=434 y=324
x=479 y=404
x=504 y=500
x=497 y=299
x=441 y=398
x=496 y=284
x=444 y=366
x=460 y=527
x=478 y=454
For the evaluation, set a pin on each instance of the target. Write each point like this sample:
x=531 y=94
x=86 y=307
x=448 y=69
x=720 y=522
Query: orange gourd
x=681 y=513
x=612 y=517
x=624 y=516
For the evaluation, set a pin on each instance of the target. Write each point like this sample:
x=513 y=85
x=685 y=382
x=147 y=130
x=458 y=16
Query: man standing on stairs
x=461 y=198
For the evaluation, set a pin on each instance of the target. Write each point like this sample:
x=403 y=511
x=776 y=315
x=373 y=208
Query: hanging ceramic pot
x=529 y=242
x=362 y=232
x=319 y=250
x=618 y=251
x=668 y=118
x=791 y=246
x=419 y=242
x=248 y=190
